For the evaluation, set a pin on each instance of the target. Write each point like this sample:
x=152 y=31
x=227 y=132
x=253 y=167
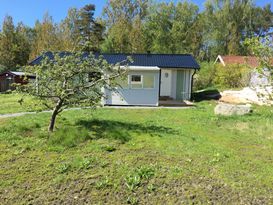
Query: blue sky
x=28 y=11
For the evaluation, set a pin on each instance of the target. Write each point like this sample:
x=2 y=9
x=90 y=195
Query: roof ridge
x=171 y=54
x=184 y=54
x=145 y=59
x=237 y=56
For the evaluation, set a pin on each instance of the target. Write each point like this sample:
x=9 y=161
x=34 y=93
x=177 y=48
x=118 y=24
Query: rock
x=257 y=95
x=231 y=109
x=229 y=98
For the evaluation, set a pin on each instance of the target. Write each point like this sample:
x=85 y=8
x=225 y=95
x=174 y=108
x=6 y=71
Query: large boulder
x=257 y=95
x=232 y=109
x=233 y=98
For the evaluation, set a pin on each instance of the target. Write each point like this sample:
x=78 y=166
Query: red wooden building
x=7 y=78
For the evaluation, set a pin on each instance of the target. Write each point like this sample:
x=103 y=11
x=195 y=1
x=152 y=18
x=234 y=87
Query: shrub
x=2 y=68
x=204 y=77
x=231 y=76
x=217 y=75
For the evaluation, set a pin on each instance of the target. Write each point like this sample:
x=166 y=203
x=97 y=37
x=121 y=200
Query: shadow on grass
x=121 y=130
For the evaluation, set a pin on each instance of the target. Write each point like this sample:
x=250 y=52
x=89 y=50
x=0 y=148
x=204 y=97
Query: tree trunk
x=54 y=115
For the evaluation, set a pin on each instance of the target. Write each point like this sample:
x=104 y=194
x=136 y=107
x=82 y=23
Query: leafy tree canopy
x=71 y=80
x=140 y=26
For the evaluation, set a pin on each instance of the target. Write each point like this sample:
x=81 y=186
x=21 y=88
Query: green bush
x=2 y=68
x=218 y=76
x=204 y=77
x=231 y=76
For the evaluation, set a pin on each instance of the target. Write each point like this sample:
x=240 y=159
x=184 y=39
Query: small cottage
x=8 y=78
x=151 y=79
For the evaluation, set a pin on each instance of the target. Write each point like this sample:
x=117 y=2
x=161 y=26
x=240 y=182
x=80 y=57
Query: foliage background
x=139 y=26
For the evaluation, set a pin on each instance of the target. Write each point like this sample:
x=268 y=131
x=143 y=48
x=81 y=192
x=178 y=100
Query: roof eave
x=141 y=67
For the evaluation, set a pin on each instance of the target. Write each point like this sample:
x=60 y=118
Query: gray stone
x=254 y=95
x=231 y=109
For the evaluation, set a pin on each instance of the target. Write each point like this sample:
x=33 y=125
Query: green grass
x=11 y=103
x=149 y=156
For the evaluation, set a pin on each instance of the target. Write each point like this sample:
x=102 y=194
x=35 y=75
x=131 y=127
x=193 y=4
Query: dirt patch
x=2 y=122
x=241 y=126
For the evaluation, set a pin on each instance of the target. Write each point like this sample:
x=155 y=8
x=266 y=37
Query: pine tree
x=89 y=30
x=14 y=45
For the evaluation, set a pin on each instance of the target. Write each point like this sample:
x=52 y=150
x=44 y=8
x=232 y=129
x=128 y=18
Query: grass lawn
x=9 y=103
x=149 y=156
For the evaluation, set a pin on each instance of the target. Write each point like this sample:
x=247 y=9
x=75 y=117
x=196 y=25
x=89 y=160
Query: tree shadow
x=121 y=131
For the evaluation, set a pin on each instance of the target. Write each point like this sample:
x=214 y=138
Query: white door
x=166 y=82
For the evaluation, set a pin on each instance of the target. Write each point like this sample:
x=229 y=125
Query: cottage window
x=145 y=81
x=148 y=81
x=136 y=81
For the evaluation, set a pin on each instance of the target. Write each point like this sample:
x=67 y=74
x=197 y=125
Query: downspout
x=192 y=84
x=159 y=85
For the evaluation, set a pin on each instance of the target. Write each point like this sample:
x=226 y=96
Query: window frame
x=132 y=83
x=141 y=82
x=136 y=82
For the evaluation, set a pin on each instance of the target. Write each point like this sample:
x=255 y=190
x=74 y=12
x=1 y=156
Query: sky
x=28 y=11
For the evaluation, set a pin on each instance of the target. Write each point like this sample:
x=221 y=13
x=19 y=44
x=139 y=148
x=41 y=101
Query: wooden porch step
x=175 y=103
x=165 y=98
